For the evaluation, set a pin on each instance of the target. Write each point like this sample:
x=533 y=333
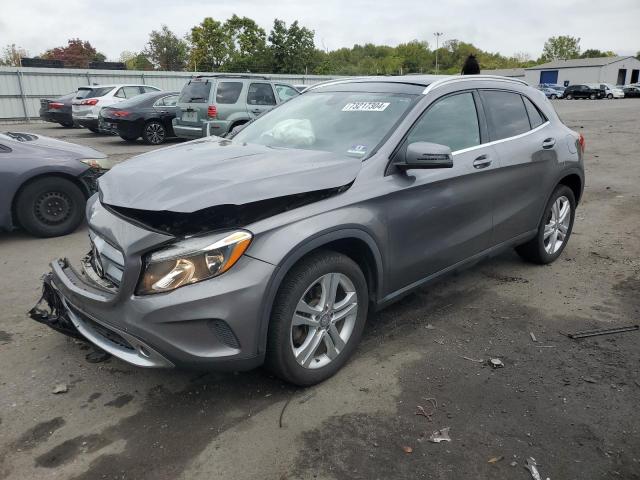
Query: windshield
x=195 y=91
x=346 y=123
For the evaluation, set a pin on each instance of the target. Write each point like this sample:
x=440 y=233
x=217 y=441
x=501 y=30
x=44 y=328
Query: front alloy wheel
x=317 y=318
x=557 y=227
x=323 y=320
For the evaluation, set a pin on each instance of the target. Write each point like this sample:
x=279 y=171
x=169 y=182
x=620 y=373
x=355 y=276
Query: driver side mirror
x=422 y=155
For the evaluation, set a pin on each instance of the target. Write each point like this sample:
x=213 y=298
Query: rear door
x=260 y=98
x=526 y=146
x=193 y=102
x=443 y=216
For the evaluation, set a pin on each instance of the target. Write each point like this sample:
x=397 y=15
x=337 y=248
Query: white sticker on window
x=357 y=150
x=365 y=107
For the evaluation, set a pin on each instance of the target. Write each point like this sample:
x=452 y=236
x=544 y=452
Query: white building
x=612 y=70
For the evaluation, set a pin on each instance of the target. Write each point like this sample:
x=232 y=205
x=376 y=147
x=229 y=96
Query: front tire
x=50 y=207
x=554 y=229
x=593 y=96
x=154 y=133
x=610 y=96
x=317 y=318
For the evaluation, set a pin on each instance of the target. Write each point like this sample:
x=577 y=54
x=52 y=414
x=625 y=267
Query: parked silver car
x=274 y=245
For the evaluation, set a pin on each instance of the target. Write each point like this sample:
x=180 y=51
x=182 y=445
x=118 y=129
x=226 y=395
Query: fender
x=563 y=173
x=299 y=251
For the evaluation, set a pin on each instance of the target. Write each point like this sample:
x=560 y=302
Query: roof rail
x=465 y=78
x=232 y=75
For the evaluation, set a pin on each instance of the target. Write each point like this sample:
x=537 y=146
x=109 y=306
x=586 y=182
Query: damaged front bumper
x=54 y=311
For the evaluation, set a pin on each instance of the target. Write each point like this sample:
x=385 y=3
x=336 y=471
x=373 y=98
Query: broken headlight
x=190 y=261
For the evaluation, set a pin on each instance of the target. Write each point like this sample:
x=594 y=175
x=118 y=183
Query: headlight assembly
x=98 y=163
x=190 y=261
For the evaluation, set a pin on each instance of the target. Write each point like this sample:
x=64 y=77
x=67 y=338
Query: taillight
x=581 y=142
x=55 y=105
x=89 y=101
x=212 y=111
x=120 y=113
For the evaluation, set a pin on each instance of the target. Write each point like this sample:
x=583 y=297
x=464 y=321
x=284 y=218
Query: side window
x=535 y=117
x=130 y=92
x=260 y=94
x=285 y=92
x=451 y=121
x=170 y=101
x=228 y=92
x=148 y=89
x=4 y=149
x=506 y=114
x=120 y=93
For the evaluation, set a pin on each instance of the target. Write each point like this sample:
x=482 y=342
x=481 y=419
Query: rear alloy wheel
x=553 y=97
x=569 y=97
x=554 y=229
x=317 y=318
x=592 y=96
x=610 y=96
x=50 y=207
x=154 y=133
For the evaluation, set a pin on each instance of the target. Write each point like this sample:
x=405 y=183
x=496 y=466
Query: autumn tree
x=77 y=54
x=165 y=50
x=11 y=55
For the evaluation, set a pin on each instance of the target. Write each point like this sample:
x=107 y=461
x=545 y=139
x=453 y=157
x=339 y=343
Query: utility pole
x=438 y=35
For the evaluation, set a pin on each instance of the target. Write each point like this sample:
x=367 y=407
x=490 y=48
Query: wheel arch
x=575 y=183
x=354 y=243
x=40 y=176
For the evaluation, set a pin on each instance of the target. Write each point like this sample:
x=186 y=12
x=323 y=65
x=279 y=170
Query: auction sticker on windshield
x=365 y=107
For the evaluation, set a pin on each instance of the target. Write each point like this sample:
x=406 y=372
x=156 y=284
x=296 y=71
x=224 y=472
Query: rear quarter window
x=93 y=92
x=195 y=92
x=506 y=114
x=228 y=92
x=536 y=118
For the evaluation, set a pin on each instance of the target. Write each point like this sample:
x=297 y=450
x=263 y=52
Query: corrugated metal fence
x=22 y=88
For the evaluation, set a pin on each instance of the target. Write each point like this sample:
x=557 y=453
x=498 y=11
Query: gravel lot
x=572 y=405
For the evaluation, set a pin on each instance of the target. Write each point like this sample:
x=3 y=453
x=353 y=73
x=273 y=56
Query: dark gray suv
x=273 y=246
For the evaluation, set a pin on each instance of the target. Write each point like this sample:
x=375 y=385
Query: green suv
x=215 y=104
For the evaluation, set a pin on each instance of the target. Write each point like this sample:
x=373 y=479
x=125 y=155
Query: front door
x=440 y=217
x=260 y=98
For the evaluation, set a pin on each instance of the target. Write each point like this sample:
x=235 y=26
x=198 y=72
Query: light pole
x=438 y=35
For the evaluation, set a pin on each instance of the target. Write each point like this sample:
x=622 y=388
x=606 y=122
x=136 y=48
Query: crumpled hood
x=209 y=172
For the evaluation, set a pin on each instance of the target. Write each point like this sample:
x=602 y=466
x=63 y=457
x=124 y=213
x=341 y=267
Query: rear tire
x=154 y=133
x=554 y=229
x=569 y=97
x=610 y=96
x=553 y=97
x=323 y=338
x=50 y=207
x=593 y=96
x=67 y=124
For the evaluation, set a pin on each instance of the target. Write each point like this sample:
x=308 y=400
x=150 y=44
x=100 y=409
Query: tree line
x=240 y=45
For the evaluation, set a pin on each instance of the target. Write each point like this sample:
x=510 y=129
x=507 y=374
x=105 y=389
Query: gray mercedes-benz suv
x=273 y=246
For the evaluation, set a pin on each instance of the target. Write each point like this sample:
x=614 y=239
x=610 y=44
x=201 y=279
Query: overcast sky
x=505 y=26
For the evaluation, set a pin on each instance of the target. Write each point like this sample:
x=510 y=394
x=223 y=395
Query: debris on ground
x=589 y=379
x=439 y=341
x=60 y=388
x=496 y=363
x=428 y=415
x=97 y=356
x=532 y=466
x=533 y=337
x=430 y=327
x=441 y=435
x=495 y=459
x=407 y=449
x=474 y=360
x=603 y=331
x=514 y=464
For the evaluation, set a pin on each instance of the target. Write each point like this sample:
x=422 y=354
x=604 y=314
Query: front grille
x=101 y=330
x=104 y=260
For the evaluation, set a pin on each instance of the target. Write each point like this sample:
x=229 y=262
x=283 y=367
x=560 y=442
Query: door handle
x=482 y=161
x=548 y=143
x=256 y=111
